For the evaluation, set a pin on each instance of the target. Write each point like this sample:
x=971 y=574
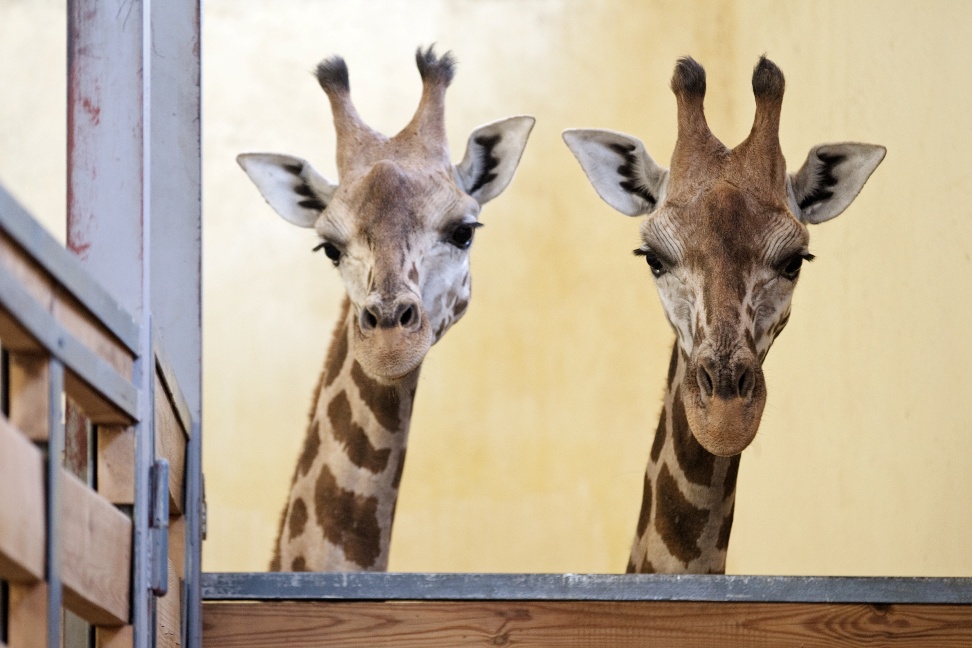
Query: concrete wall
x=535 y=413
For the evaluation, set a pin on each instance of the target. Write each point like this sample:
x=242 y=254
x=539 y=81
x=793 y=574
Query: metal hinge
x=159 y=528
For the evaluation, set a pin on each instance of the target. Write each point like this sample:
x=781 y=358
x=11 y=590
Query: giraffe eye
x=656 y=264
x=331 y=250
x=792 y=267
x=461 y=235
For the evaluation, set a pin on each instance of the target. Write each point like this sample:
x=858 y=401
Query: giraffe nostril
x=369 y=320
x=407 y=316
x=746 y=383
x=704 y=379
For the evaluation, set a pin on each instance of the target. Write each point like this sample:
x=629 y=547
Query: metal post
x=134 y=208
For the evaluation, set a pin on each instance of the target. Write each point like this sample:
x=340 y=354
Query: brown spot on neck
x=348 y=520
x=384 y=401
x=678 y=522
x=338 y=351
x=696 y=463
x=353 y=437
x=298 y=518
x=312 y=444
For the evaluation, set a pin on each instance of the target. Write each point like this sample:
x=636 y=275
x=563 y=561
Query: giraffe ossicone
x=725 y=236
x=398 y=227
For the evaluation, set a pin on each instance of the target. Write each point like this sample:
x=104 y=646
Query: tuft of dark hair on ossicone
x=433 y=68
x=689 y=77
x=768 y=81
x=332 y=74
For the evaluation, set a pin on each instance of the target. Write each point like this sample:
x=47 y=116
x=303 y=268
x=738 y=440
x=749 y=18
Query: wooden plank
x=169 y=613
x=568 y=624
x=116 y=464
x=96 y=407
x=92 y=333
x=22 y=531
x=27 y=616
x=29 y=394
x=65 y=308
x=170 y=444
x=28 y=273
x=97 y=555
x=177 y=545
x=123 y=637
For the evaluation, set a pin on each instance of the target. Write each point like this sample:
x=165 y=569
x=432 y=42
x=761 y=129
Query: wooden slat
x=82 y=325
x=177 y=545
x=562 y=624
x=97 y=555
x=170 y=444
x=38 y=283
x=29 y=394
x=27 y=618
x=67 y=310
x=116 y=464
x=22 y=532
x=123 y=637
x=169 y=613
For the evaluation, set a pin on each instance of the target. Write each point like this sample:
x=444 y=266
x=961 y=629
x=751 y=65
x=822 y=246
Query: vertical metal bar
x=193 y=586
x=110 y=175
x=55 y=454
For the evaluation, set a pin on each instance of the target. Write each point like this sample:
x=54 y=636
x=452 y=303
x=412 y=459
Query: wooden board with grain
x=575 y=624
x=170 y=444
x=22 y=531
x=116 y=464
x=169 y=613
x=29 y=394
x=97 y=552
x=27 y=616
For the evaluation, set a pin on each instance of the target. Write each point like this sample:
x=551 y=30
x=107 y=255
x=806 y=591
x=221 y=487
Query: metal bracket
x=203 y=509
x=159 y=528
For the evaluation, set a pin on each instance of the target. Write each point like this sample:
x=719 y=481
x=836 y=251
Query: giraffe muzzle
x=726 y=400
x=393 y=335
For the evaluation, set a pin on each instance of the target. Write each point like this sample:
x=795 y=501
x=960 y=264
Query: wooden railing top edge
x=230 y=586
x=170 y=383
x=66 y=270
x=77 y=358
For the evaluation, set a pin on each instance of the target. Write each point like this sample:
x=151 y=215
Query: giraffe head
x=725 y=237
x=399 y=224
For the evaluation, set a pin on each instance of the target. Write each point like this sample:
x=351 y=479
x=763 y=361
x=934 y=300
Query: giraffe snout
x=403 y=311
x=726 y=380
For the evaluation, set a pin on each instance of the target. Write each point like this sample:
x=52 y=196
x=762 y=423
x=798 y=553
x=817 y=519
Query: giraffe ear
x=831 y=178
x=492 y=155
x=290 y=185
x=619 y=167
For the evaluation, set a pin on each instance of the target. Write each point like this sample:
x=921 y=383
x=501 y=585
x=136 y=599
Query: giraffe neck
x=342 y=500
x=689 y=495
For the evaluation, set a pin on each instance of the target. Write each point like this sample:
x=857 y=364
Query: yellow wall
x=535 y=413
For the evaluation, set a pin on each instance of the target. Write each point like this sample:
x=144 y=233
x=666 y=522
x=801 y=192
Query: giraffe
x=725 y=238
x=398 y=228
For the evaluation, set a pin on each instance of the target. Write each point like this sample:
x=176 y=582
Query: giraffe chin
x=391 y=353
x=726 y=426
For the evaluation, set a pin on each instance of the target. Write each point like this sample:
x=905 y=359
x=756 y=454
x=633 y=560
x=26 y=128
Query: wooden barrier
x=565 y=624
x=67 y=537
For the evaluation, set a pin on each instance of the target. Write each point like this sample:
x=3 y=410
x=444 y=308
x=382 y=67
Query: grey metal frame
x=306 y=586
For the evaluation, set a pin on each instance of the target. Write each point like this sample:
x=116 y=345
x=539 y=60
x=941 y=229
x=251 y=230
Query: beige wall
x=534 y=414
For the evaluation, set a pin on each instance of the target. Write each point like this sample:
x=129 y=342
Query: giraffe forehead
x=725 y=229
x=401 y=199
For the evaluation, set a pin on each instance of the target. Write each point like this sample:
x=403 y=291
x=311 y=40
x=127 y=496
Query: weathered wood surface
x=97 y=555
x=560 y=624
x=169 y=613
x=116 y=464
x=22 y=532
x=170 y=444
x=122 y=637
x=28 y=392
x=27 y=616
x=67 y=310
